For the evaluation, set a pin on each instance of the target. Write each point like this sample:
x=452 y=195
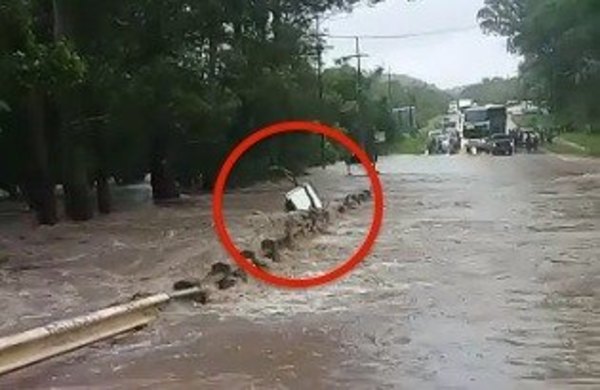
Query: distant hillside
x=409 y=81
x=456 y=91
x=406 y=91
x=497 y=90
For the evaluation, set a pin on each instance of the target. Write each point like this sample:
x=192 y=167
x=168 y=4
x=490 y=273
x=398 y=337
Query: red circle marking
x=291 y=127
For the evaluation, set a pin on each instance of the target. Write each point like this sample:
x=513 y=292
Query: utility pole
x=320 y=81
x=359 y=56
x=391 y=131
x=412 y=111
x=390 y=86
x=319 y=58
x=361 y=131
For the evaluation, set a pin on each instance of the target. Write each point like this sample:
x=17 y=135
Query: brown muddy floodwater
x=486 y=276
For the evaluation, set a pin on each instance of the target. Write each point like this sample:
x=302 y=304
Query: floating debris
x=226 y=283
x=220 y=268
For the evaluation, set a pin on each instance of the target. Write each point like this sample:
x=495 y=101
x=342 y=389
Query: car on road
x=435 y=142
x=498 y=144
x=445 y=141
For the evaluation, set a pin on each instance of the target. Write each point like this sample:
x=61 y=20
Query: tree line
x=559 y=42
x=99 y=89
x=495 y=90
x=95 y=91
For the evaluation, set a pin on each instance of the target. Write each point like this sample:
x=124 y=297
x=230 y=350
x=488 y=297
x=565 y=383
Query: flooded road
x=486 y=275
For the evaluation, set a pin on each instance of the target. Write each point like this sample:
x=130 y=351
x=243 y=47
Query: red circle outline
x=291 y=127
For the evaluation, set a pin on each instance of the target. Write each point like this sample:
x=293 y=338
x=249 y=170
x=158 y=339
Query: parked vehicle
x=444 y=141
x=498 y=144
x=454 y=141
x=480 y=123
x=434 y=142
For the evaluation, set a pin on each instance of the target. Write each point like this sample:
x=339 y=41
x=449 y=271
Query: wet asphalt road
x=486 y=275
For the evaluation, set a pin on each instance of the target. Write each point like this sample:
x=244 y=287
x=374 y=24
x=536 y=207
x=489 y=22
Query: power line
x=358 y=55
x=402 y=36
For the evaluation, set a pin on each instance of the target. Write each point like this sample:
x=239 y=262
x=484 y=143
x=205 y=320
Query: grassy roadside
x=412 y=144
x=580 y=144
x=406 y=144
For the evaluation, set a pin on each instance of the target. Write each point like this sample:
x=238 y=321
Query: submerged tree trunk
x=39 y=186
x=101 y=148
x=78 y=202
x=103 y=196
x=76 y=183
x=164 y=185
x=75 y=163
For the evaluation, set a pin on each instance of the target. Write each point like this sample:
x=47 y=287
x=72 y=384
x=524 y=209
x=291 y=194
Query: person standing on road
x=370 y=147
x=528 y=142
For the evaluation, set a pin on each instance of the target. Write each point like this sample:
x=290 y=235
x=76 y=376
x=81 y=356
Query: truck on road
x=480 y=123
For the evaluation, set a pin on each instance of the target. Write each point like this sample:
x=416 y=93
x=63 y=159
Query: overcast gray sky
x=447 y=60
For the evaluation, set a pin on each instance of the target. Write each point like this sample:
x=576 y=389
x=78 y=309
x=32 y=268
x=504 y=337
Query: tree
x=494 y=91
x=34 y=66
x=120 y=88
x=558 y=39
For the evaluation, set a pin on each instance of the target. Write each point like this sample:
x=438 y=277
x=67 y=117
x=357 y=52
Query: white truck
x=481 y=122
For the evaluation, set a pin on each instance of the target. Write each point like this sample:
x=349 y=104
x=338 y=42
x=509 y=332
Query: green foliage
x=559 y=40
x=125 y=87
x=589 y=141
x=380 y=95
x=406 y=144
x=577 y=143
x=28 y=60
x=406 y=91
x=494 y=91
